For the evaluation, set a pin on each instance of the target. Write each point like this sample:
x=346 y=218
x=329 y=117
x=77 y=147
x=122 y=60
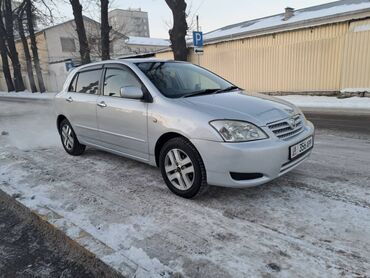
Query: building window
x=68 y=44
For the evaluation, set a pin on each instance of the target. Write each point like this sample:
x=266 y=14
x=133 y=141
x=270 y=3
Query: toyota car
x=197 y=127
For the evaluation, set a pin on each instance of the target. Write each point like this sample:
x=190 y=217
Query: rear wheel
x=182 y=168
x=69 y=139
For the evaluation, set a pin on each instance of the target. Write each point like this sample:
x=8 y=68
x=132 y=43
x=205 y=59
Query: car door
x=122 y=122
x=81 y=101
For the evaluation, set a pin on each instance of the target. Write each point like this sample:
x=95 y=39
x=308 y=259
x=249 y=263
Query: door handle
x=70 y=99
x=102 y=104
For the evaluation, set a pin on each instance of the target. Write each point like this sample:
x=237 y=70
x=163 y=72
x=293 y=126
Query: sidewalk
x=324 y=104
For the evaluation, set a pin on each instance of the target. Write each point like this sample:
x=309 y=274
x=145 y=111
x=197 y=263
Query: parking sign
x=198 y=39
x=198 y=43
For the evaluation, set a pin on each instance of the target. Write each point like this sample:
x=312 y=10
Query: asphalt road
x=26 y=252
x=312 y=222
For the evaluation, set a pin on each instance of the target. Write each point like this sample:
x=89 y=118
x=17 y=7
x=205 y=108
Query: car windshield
x=175 y=80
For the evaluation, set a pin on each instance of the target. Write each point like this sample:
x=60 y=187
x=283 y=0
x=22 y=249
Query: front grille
x=287 y=128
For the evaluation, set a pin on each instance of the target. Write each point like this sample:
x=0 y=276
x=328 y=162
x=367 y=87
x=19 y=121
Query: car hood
x=239 y=105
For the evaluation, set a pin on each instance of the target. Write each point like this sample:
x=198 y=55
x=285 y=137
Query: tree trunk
x=5 y=64
x=104 y=29
x=81 y=32
x=35 y=54
x=8 y=13
x=4 y=55
x=179 y=29
x=27 y=54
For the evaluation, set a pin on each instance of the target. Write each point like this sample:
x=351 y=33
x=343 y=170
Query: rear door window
x=88 y=82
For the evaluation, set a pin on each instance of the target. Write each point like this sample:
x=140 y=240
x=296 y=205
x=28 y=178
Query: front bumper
x=269 y=157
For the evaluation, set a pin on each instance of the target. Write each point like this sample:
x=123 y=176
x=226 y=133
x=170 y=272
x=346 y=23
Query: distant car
x=195 y=126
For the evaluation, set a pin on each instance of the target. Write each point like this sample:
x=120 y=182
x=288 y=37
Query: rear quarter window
x=72 y=86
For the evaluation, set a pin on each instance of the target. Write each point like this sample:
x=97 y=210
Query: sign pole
x=198 y=41
x=198 y=31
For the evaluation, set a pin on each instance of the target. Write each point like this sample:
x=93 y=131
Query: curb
x=50 y=224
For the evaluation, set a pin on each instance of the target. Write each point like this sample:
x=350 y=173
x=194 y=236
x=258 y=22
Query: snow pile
x=328 y=102
x=277 y=20
x=37 y=127
x=29 y=95
x=355 y=90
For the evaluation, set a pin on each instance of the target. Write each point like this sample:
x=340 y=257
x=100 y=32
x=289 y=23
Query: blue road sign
x=198 y=39
x=69 y=65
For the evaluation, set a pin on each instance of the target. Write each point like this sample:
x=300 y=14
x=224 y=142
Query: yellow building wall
x=43 y=57
x=356 y=62
x=324 y=58
x=168 y=55
x=42 y=51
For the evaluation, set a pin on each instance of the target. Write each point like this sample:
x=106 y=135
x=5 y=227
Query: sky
x=213 y=14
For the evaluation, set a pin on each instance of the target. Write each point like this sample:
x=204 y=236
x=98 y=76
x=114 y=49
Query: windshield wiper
x=226 y=89
x=211 y=91
x=201 y=92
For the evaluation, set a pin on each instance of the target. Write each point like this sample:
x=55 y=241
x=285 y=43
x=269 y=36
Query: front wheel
x=182 y=168
x=69 y=139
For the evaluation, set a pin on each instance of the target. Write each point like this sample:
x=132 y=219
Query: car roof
x=125 y=61
x=143 y=60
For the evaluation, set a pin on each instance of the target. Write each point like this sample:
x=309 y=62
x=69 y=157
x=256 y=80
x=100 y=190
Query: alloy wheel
x=67 y=137
x=179 y=169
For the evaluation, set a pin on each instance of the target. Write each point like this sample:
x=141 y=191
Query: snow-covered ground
x=312 y=222
x=328 y=102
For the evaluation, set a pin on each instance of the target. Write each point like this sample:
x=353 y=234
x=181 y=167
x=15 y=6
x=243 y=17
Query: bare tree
x=105 y=29
x=13 y=54
x=81 y=32
x=179 y=29
x=35 y=54
x=27 y=55
x=4 y=54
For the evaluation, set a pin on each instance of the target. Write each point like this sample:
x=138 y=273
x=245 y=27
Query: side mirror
x=132 y=92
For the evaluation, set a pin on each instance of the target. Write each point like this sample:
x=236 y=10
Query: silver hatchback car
x=197 y=127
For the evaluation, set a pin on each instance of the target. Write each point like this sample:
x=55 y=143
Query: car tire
x=182 y=168
x=69 y=139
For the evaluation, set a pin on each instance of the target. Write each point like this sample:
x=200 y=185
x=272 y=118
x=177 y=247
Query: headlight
x=238 y=131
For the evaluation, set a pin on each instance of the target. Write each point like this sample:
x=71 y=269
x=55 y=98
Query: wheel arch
x=60 y=118
x=162 y=140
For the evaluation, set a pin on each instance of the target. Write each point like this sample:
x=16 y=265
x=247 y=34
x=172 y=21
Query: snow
x=312 y=222
x=355 y=90
x=277 y=20
x=28 y=95
x=362 y=28
x=148 y=41
x=328 y=102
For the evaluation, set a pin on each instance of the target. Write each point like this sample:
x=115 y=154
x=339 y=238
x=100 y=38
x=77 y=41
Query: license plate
x=301 y=147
